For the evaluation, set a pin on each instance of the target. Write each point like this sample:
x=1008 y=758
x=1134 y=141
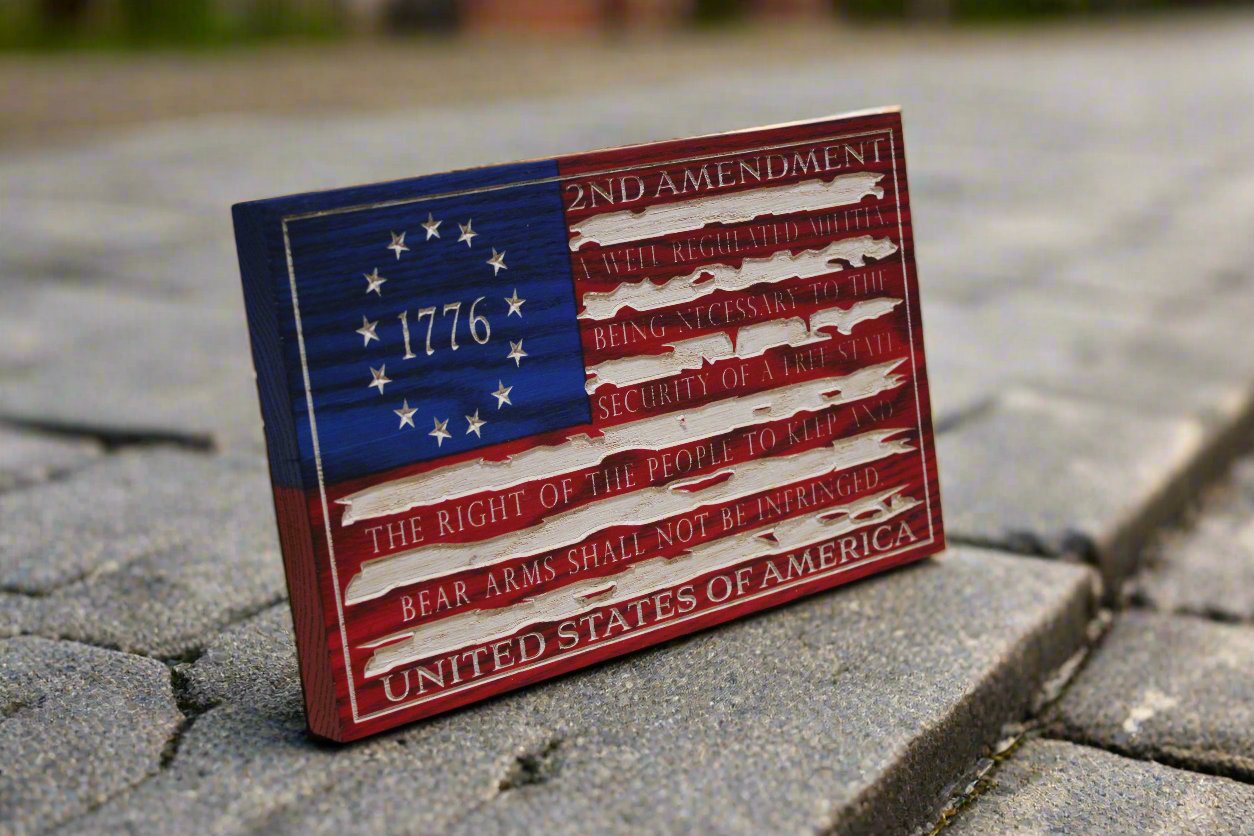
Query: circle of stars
x=369 y=333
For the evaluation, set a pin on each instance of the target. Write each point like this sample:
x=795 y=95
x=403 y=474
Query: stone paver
x=251 y=665
x=121 y=508
x=1045 y=196
x=150 y=551
x=78 y=725
x=20 y=613
x=1096 y=345
x=850 y=711
x=1054 y=475
x=65 y=239
x=28 y=457
x=1100 y=309
x=123 y=364
x=1169 y=688
x=1084 y=253
x=1049 y=786
x=1209 y=568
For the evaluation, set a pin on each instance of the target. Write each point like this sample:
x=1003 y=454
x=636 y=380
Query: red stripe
x=721 y=586
x=611 y=549
x=666 y=152
x=737 y=377
x=633 y=334
x=356 y=544
x=361 y=541
x=602 y=268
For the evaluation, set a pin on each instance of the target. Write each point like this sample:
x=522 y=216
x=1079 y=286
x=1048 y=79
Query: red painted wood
x=346 y=704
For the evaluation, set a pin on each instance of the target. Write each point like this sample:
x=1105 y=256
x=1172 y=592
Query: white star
x=398 y=245
x=502 y=394
x=497 y=261
x=380 y=378
x=467 y=232
x=407 y=414
x=440 y=432
x=515 y=304
x=367 y=331
x=374 y=282
x=516 y=352
x=475 y=423
x=432 y=226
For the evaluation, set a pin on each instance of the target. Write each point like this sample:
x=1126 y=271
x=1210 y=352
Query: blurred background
x=1081 y=182
x=1080 y=173
x=137 y=23
x=75 y=64
x=128 y=128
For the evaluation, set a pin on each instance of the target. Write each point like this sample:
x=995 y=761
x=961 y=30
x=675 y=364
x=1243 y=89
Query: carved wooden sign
x=527 y=417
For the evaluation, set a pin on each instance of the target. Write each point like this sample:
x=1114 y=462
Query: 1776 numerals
x=480 y=328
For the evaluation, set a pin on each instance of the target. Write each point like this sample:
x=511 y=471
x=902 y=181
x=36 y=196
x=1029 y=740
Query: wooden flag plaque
x=528 y=417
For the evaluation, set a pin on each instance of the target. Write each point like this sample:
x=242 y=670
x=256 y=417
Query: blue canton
x=437 y=326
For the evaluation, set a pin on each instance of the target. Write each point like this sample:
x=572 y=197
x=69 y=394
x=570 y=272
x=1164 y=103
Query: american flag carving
x=526 y=417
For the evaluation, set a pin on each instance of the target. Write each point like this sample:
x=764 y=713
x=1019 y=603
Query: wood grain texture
x=622 y=498
x=295 y=536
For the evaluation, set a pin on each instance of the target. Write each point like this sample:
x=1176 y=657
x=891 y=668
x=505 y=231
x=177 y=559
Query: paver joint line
x=113 y=440
x=1086 y=381
x=1019 y=732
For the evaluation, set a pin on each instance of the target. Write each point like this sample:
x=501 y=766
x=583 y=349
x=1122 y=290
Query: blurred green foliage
x=143 y=24
x=715 y=12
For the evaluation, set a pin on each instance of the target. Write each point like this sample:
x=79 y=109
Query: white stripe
x=655 y=433
x=844 y=320
x=637 y=508
x=750 y=341
x=482 y=627
x=684 y=215
x=777 y=267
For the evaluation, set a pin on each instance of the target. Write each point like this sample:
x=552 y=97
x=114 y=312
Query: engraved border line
x=313 y=426
x=914 y=367
x=658 y=626
x=322 y=490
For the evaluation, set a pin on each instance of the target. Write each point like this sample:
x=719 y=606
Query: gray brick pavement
x=150 y=551
x=120 y=364
x=1168 y=688
x=1048 y=474
x=27 y=458
x=1082 y=220
x=80 y=725
x=1208 y=570
x=847 y=711
x=1050 y=786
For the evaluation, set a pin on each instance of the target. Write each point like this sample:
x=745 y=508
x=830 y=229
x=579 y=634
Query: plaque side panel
x=262 y=260
x=927 y=438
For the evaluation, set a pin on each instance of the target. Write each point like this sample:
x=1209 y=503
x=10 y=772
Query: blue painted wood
x=331 y=257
